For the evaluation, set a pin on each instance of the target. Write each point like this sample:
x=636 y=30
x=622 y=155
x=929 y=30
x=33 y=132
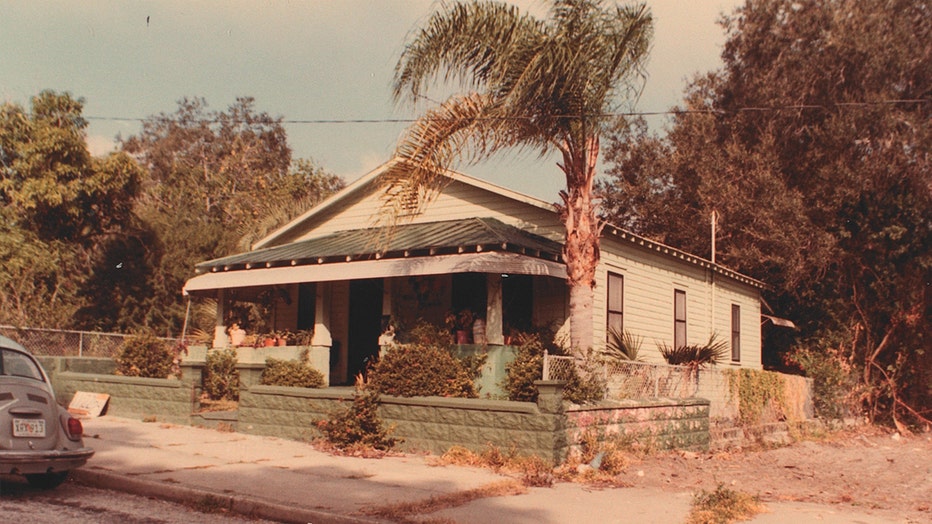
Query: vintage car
x=39 y=439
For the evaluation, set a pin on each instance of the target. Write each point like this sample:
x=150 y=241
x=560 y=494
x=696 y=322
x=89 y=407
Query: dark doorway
x=365 y=318
x=307 y=305
x=517 y=296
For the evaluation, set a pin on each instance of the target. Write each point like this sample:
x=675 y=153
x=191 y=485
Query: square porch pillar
x=494 y=330
x=221 y=340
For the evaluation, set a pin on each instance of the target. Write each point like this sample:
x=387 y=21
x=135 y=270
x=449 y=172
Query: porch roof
x=456 y=246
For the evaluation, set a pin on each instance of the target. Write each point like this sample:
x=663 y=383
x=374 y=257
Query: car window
x=17 y=364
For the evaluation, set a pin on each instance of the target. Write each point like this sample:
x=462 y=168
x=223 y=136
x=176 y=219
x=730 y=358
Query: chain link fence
x=630 y=379
x=64 y=343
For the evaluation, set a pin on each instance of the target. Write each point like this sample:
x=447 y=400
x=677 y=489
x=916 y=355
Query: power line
x=760 y=109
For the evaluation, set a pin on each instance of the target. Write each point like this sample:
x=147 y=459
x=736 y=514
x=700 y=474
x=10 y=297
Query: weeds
x=723 y=506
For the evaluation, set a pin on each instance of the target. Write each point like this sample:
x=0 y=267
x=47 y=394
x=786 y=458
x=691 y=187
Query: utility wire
x=757 y=109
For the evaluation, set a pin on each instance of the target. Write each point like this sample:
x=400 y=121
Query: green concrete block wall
x=166 y=399
x=288 y=412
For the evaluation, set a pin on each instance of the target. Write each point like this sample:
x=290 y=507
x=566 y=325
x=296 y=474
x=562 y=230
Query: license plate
x=23 y=427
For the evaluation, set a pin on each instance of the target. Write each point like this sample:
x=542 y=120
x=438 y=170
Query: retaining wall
x=133 y=397
x=548 y=429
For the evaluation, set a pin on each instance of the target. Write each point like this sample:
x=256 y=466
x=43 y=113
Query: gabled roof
x=409 y=240
x=359 y=244
x=287 y=233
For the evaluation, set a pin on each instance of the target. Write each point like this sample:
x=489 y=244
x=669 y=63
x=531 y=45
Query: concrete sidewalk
x=290 y=481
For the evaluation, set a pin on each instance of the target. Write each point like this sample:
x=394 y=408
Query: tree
x=535 y=84
x=217 y=181
x=813 y=145
x=60 y=205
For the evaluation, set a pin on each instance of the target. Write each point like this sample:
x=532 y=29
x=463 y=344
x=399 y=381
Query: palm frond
x=623 y=346
x=697 y=355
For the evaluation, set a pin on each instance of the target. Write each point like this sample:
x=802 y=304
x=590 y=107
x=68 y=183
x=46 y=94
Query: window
x=735 y=333
x=679 y=318
x=616 y=304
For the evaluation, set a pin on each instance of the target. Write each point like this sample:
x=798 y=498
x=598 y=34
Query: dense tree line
x=812 y=145
x=107 y=243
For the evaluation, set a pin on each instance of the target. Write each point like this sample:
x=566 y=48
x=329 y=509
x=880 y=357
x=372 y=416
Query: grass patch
x=723 y=506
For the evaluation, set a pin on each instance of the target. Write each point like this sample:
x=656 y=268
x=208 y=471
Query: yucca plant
x=695 y=355
x=622 y=346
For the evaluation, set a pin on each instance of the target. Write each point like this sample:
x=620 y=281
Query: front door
x=365 y=318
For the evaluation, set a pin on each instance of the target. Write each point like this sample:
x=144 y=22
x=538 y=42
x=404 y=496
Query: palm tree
x=544 y=85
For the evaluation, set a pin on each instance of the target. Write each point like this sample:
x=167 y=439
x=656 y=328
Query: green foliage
x=696 y=355
x=291 y=373
x=61 y=208
x=622 y=346
x=833 y=382
x=842 y=164
x=145 y=355
x=424 y=367
x=220 y=377
x=583 y=385
x=231 y=174
x=723 y=506
x=756 y=391
x=359 y=425
x=531 y=73
x=526 y=368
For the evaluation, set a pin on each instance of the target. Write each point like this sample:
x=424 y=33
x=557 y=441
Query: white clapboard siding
x=650 y=280
x=458 y=201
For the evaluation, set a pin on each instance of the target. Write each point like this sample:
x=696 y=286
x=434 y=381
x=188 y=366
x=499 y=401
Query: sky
x=307 y=60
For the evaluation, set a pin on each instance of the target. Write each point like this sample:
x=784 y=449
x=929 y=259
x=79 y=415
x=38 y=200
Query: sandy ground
x=868 y=469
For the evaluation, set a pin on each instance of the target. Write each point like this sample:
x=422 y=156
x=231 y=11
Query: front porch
x=348 y=299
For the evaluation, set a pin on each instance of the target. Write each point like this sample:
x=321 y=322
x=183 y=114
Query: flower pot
x=462 y=336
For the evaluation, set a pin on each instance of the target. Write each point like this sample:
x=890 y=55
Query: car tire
x=47 y=480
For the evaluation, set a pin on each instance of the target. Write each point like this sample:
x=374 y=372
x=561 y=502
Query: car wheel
x=47 y=480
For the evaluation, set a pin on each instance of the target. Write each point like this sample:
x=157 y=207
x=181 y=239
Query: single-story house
x=480 y=248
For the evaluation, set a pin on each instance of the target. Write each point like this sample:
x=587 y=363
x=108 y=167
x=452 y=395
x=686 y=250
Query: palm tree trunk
x=581 y=248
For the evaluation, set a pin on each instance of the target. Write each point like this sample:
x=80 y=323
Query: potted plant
x=461 y=325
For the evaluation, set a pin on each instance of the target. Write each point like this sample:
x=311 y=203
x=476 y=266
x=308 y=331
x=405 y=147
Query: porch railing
x=630 y=379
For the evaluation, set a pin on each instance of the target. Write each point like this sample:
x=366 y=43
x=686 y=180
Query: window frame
x=610 y=313
x=679 y=324
x=735 y=333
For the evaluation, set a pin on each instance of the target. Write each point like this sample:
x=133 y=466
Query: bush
x=695 y=355
x=424 y=367
x=528 y=367
x=221 y=379
x=833 y=381
x=414 y=370
x=144 y=355
x=291 y=373
x=359 y=425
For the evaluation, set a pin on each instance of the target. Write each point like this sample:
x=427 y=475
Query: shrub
x=528 y=367
x=695 y=355
x=359 y=425
x=622 y=346
x=220 y=378
x=414 y=370
x=291 y=373
x=723 y=505
x=833 y=381
x=144 y=355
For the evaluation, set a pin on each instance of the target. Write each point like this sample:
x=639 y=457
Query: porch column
x=493 y=309
x=221 y=340
x=321 y=335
